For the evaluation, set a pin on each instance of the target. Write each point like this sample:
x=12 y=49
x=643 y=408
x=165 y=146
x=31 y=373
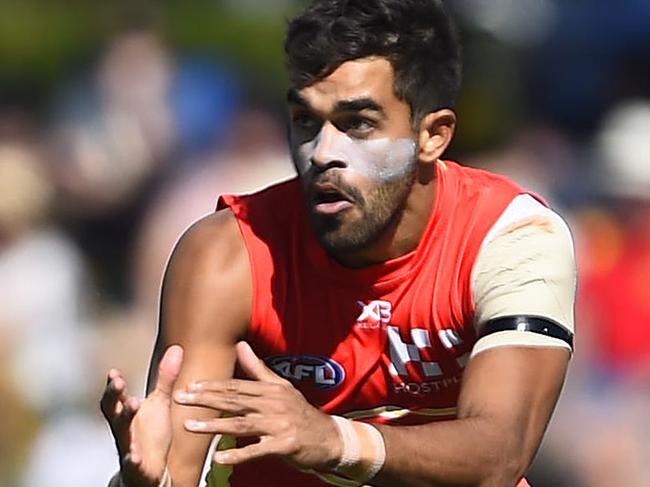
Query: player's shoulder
x=526 y=210
x=209 y=267
x=207 y=283
x=212 y=243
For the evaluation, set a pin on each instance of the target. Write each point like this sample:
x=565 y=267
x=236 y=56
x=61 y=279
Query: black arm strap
x=535 y=324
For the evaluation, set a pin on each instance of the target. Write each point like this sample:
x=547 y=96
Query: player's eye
x=304 y=121
x=357 y=126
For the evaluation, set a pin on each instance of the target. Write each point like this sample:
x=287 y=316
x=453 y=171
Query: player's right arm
x=205 y=308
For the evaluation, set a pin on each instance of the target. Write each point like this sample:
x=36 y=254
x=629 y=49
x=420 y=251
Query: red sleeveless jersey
x=386 y=343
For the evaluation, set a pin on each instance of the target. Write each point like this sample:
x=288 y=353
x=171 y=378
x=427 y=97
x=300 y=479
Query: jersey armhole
x=233 y=205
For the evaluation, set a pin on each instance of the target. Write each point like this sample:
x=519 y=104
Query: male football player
x=397 y=319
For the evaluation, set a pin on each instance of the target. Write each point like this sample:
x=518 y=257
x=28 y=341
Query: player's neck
x=404 y=234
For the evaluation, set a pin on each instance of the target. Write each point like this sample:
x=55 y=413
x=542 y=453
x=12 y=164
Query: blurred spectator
x=145 y=116
x=615 y=247
x=113 y=133
x=45 y=347
x=43 y=283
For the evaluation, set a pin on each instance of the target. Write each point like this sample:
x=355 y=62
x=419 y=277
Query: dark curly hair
x=416 y=36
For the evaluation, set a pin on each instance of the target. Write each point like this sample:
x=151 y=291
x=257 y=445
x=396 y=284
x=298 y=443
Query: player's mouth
x=327 y=199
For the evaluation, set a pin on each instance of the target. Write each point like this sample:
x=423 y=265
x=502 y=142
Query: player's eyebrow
x=353 y=105
x=358 y=105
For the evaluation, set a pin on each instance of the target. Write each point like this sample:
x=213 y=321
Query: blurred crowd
x=103 y=165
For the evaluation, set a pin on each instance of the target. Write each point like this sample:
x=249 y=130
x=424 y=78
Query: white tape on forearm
x=363 y=449
x=379 y=456
x=351 y=453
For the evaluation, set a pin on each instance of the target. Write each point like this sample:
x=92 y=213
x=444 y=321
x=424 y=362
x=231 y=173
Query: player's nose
x=329 y=151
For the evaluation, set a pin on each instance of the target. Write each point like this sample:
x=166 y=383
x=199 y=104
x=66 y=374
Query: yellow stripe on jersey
x=397 y=412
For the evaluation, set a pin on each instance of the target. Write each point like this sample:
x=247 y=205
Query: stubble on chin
x=344 y=235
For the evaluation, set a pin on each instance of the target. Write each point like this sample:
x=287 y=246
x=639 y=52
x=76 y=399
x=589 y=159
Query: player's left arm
x=507 y=399
x=524 y=287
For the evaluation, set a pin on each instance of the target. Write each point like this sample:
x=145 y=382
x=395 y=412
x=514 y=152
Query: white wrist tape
x=363 y=453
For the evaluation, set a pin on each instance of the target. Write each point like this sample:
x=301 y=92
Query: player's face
x=354 y=148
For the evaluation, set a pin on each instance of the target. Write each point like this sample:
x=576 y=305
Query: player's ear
x=435 y=133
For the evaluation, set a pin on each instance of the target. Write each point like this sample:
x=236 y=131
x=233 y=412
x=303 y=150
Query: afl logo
x=321 y=372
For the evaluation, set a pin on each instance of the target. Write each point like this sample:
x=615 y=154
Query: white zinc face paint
x=380 y=159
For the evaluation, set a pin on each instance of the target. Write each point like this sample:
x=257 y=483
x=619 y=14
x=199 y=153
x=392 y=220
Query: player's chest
x=354 y=351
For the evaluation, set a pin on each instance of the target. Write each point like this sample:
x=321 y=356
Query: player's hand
x=269 y=408
x=142 y=429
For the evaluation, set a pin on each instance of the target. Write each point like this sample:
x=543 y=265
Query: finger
x=250 y=425
x=123 y=420
x=168 y=370
x=133 y=459
x=250 y=452
x=114 y=394
x=235 y=387
x=227 y=403
x=109 y=399
x=119 y=409
x=254 y=367
x=121 y=425
x=111 y=375
x=121 y=389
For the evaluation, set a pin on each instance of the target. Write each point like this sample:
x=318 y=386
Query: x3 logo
x=375 y=312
